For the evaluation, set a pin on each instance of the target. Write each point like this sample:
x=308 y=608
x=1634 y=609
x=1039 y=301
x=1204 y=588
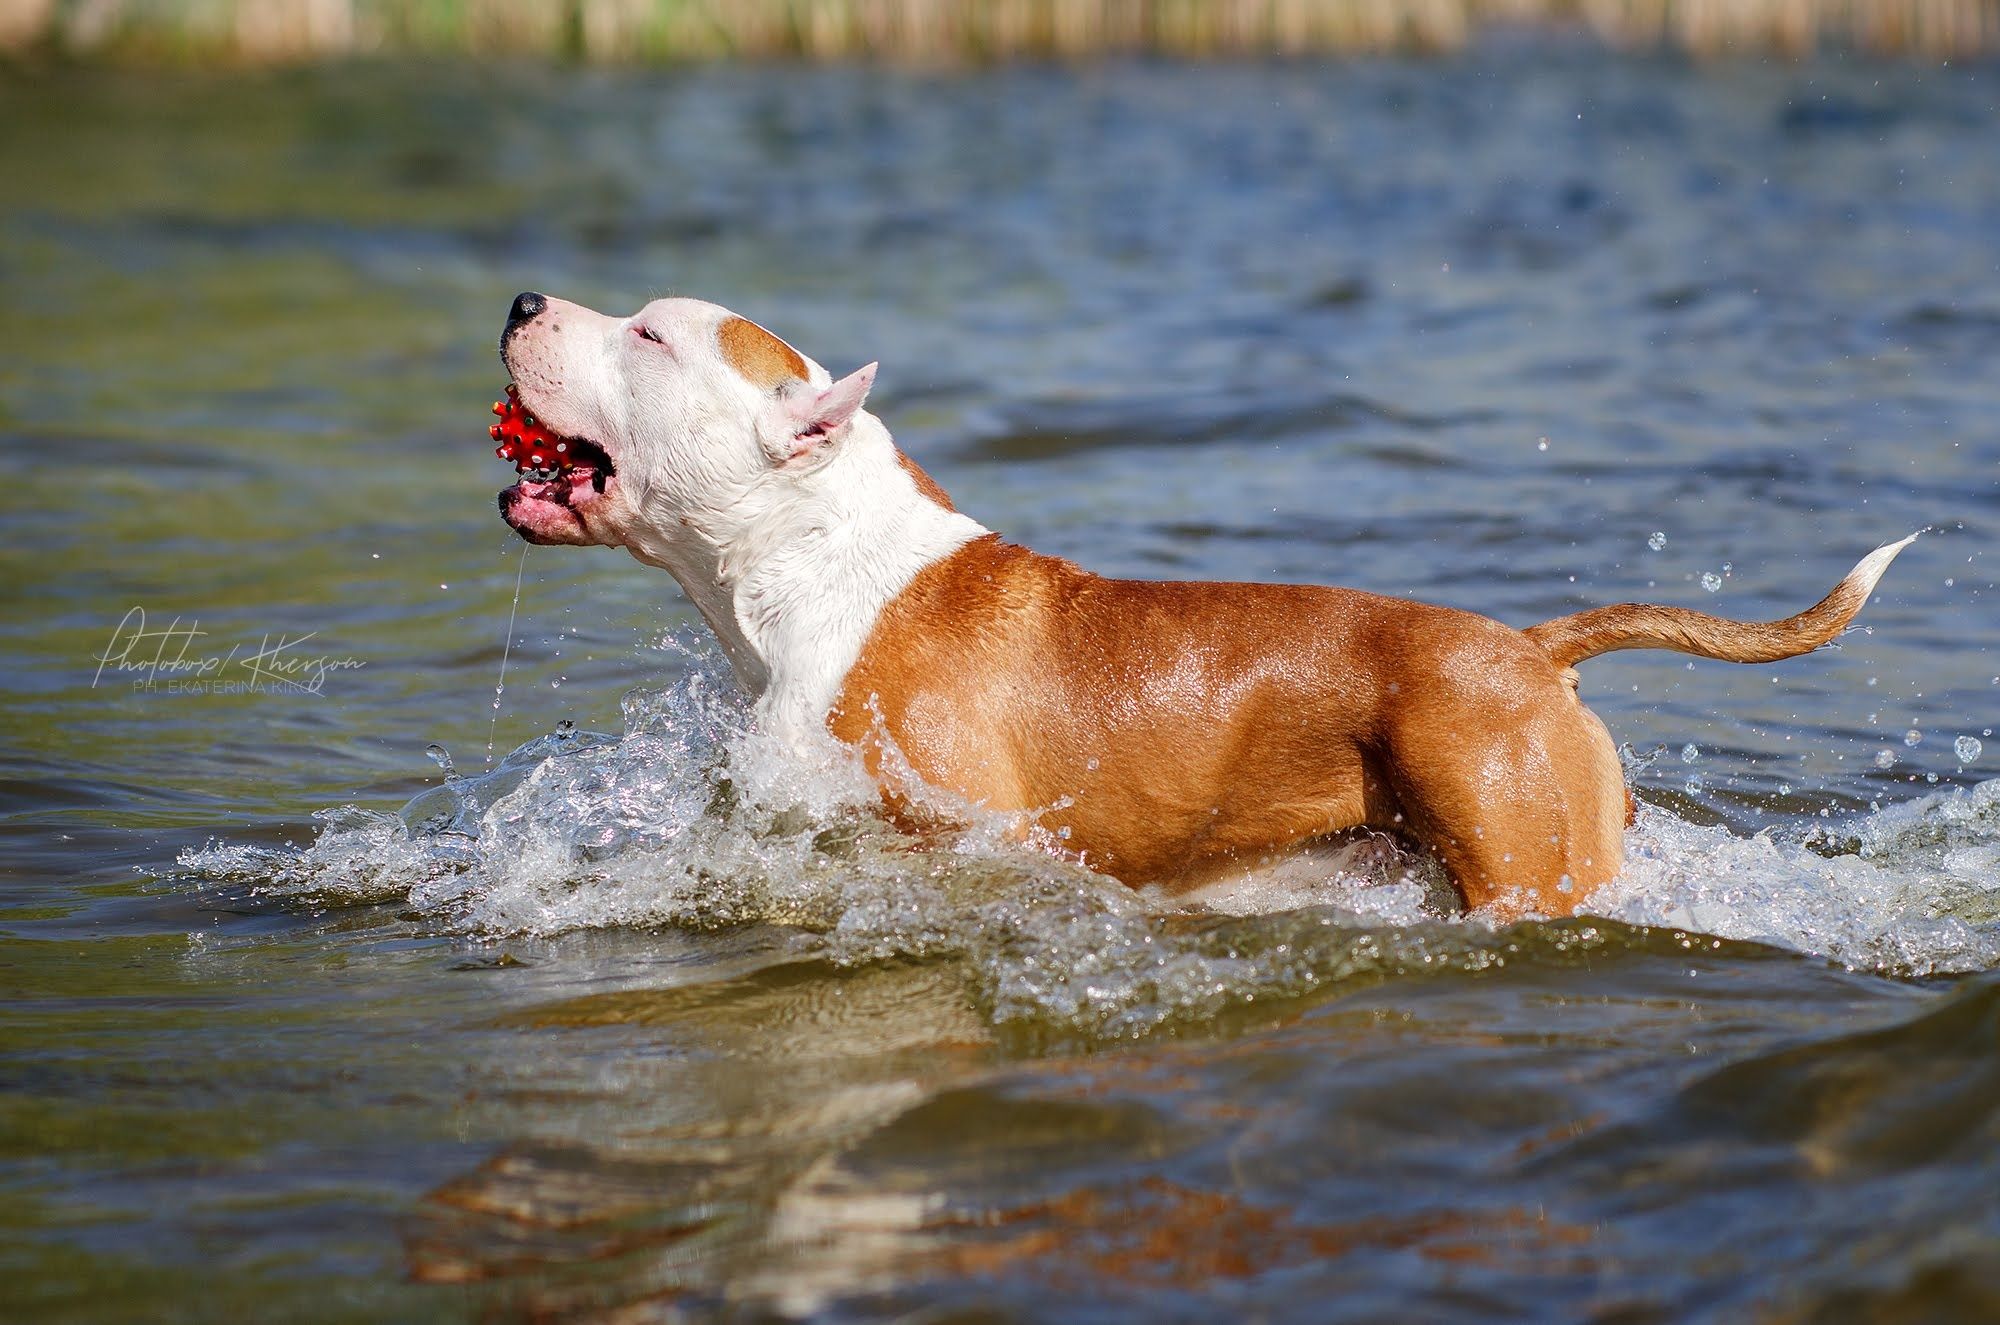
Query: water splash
x=691 y=818
x=442 y=758
x=1910 y=889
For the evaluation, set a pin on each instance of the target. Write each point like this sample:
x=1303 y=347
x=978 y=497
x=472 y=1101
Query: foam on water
x=692 y=819
x=1911 y=889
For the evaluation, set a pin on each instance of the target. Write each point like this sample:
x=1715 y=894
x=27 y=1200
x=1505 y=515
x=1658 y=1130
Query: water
x=647 y=1017
x=506 y=652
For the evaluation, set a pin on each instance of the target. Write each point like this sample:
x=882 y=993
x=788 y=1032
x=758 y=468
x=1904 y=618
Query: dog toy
x=526 y=441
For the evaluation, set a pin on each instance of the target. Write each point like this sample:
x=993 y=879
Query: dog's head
x=659 y=427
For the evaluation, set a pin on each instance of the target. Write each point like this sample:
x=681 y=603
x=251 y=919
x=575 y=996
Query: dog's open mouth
x=543 y=456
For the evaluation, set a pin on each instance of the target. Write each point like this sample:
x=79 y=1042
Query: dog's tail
x=1570 y=639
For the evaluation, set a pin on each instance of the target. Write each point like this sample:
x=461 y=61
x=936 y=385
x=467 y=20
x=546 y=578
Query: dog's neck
x=792 y=575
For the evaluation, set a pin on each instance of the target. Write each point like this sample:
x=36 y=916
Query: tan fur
x=1571 y=639
x=1183 y=728
x=760 y=358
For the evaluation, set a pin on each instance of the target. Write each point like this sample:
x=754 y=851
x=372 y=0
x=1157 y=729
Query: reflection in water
x=1130 y=1179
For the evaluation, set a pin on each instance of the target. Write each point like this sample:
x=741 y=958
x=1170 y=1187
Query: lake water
x=642 y=1021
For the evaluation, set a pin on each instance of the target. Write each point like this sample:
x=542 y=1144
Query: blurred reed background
x=955 y=31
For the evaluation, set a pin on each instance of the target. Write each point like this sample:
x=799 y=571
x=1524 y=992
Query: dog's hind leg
x=1527 y=818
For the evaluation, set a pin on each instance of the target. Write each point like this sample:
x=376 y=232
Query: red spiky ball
x=525 y=441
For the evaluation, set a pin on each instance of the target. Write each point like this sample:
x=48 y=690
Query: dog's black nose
x=527 y=306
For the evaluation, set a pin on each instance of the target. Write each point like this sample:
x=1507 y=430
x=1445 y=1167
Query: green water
x=635 y=1036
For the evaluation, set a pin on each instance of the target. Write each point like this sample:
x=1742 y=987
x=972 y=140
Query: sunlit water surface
x=625 y=1013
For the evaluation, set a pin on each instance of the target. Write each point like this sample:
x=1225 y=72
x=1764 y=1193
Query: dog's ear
x=817 y=417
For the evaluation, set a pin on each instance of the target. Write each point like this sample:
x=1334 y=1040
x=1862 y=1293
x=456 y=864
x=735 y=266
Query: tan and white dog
x=1177 y=731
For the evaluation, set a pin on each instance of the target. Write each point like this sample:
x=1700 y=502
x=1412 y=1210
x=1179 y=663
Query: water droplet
x=1694 y=784
x=1657 y=541
x=506 y=650
x=1967 y=748
x=442 y=758
x=1711 y=581
x=1885 y=759
x=1565 y=884
x=1542 y=444
x=565 y=729
x=1690 y=752
x=1913 y=738
x=1091 y=763
x=1784 y=788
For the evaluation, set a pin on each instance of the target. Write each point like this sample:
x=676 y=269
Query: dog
x=1165 y=733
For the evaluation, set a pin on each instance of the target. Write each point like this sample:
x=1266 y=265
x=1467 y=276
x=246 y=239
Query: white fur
x=1871 y=567
x=809 y=578
x=789 y=553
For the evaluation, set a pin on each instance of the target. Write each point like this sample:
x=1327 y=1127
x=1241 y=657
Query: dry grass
x=957 y=31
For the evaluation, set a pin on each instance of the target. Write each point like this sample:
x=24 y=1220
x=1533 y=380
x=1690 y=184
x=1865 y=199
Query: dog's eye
x=645 y=332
